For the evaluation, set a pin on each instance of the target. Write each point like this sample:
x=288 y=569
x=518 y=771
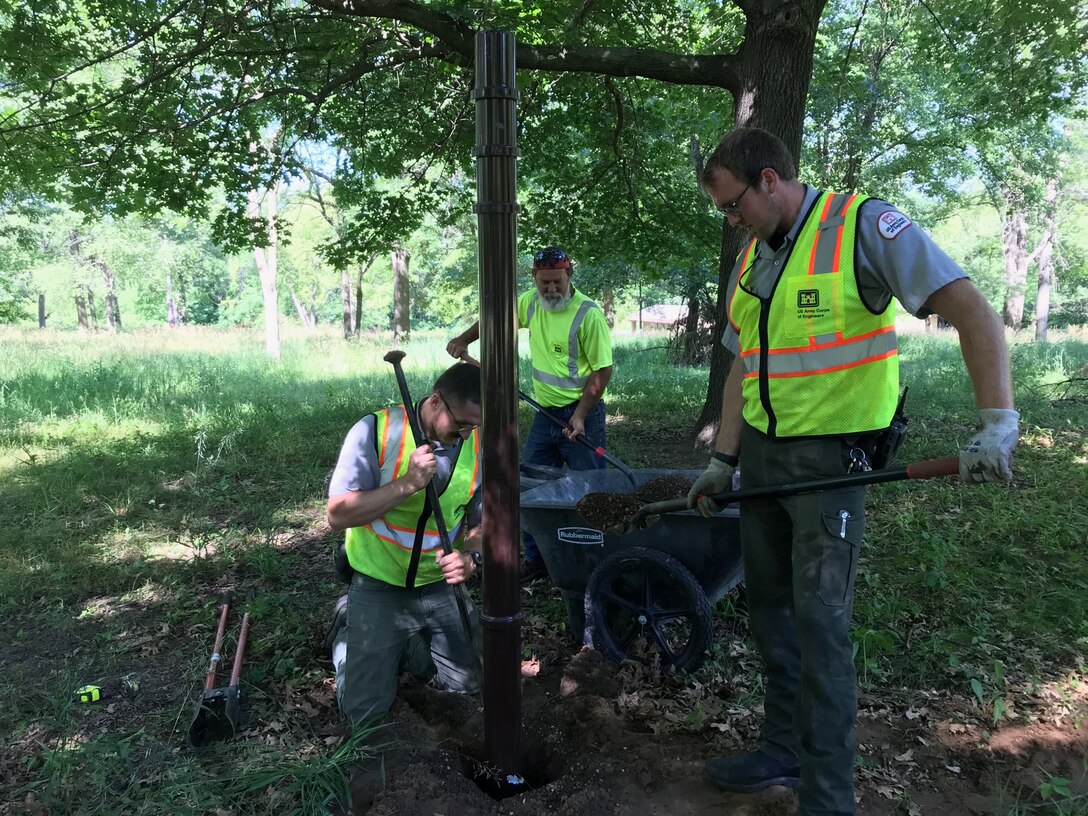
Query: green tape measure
x=88 y=694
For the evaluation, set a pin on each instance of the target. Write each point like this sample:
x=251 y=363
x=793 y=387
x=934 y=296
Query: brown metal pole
x=496 y=207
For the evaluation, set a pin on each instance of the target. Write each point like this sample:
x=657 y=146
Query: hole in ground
x=539 y=767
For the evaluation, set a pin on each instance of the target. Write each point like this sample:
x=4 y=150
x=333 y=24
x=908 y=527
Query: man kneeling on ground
x=400 y=613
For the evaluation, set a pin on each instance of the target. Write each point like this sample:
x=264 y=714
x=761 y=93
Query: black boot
x=339 y=621
x=751 y=772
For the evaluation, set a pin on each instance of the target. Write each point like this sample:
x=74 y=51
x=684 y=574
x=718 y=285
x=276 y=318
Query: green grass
x=141 y=474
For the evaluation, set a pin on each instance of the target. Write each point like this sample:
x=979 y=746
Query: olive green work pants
x=391 y=630
x=800 y=559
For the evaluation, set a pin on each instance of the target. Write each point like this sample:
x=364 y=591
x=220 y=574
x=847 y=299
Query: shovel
x=928 y=469
x=597 y=449
x=219 y=708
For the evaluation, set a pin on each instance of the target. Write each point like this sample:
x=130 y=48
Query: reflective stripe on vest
x=815 y=360
x=383 y=548
x=570 y=378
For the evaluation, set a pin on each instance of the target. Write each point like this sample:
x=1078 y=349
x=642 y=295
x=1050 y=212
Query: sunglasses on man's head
x=551 y=257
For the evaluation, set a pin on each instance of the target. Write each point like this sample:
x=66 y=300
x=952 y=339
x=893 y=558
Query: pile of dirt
x=664 y=488
x=607 y=510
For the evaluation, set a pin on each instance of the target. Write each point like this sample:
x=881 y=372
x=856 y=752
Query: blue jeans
x=547 y=445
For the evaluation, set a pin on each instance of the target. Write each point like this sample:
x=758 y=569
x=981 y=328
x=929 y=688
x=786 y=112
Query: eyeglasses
x=733 y=208
x=551 y=257
x=462 y=427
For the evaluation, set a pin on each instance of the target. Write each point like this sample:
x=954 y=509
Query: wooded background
x=192 y=162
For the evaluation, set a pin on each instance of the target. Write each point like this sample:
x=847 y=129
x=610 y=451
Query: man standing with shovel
x=571 y=350
x=400 y=613
x=814 y=384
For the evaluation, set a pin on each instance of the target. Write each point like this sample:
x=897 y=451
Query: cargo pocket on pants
x=839 y=559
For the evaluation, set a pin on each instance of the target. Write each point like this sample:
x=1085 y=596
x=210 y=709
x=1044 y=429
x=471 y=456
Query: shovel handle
x=928 y=469
x=240 y=650
x=934 y=468
x=213 y=665
x=540 y=409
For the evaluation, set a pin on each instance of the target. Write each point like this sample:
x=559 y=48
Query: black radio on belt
x=889 y=440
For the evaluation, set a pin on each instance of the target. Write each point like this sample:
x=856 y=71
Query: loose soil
x=664 y=488
x=606 y=511
x=624 y=739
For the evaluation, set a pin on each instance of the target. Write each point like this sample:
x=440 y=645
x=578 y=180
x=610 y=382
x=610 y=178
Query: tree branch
x=714 y=70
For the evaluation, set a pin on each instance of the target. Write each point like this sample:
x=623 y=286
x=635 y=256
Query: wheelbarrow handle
x=225 y=602
x=540 y=409
x=928 y=469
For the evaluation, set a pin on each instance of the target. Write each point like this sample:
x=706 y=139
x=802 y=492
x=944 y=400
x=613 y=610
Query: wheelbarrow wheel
x=640 y=601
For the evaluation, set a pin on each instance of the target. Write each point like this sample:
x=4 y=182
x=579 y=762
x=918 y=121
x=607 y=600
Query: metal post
x=496 y=196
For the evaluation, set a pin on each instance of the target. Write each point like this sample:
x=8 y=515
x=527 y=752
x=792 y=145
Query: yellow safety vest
x=560 y=371
x=383 y=549
x=816 y=361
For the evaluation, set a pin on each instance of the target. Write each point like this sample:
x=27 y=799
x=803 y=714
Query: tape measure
x=89 y=694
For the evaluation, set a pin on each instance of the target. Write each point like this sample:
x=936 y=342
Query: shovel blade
x=216 y=718
x=631 y=525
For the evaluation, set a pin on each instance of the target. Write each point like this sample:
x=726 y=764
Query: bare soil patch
x=615 y=739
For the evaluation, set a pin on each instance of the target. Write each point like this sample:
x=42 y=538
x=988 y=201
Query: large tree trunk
x=347 y=303
x=402 y=324
x=608 y=306
x=171 y=303
x=363 y=269
x=1014 y=240
x=265 y=258
x=81 y=313
x=774 y=68
x=1046 y=262
x=359 y=301
x=92 y=310
x=113 y=311
x=304 y=315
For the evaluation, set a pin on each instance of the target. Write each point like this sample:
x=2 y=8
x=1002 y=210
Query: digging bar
x=394 y=358
x=928 y=469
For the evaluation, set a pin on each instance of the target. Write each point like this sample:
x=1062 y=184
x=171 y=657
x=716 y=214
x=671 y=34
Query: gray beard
x=556 y=305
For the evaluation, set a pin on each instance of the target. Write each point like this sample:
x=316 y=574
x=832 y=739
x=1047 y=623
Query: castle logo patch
x=891 y=223
x=808 y=298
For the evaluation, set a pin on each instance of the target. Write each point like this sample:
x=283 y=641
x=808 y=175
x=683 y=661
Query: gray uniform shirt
x=894 y=257
x=358 y=467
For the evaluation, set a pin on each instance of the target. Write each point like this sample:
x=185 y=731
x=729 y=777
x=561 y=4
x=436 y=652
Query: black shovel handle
x=540 y=409
x=394 y=358
x=928 y=469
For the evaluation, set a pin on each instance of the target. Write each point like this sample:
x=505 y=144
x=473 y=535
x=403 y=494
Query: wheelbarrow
x=661 y=581
x=657 y=576
x=218 y=711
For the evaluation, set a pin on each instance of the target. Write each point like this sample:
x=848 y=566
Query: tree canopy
x=124 y=106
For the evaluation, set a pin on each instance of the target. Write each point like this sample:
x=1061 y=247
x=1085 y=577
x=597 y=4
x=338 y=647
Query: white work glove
x=988 y=457
x=717 y=478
